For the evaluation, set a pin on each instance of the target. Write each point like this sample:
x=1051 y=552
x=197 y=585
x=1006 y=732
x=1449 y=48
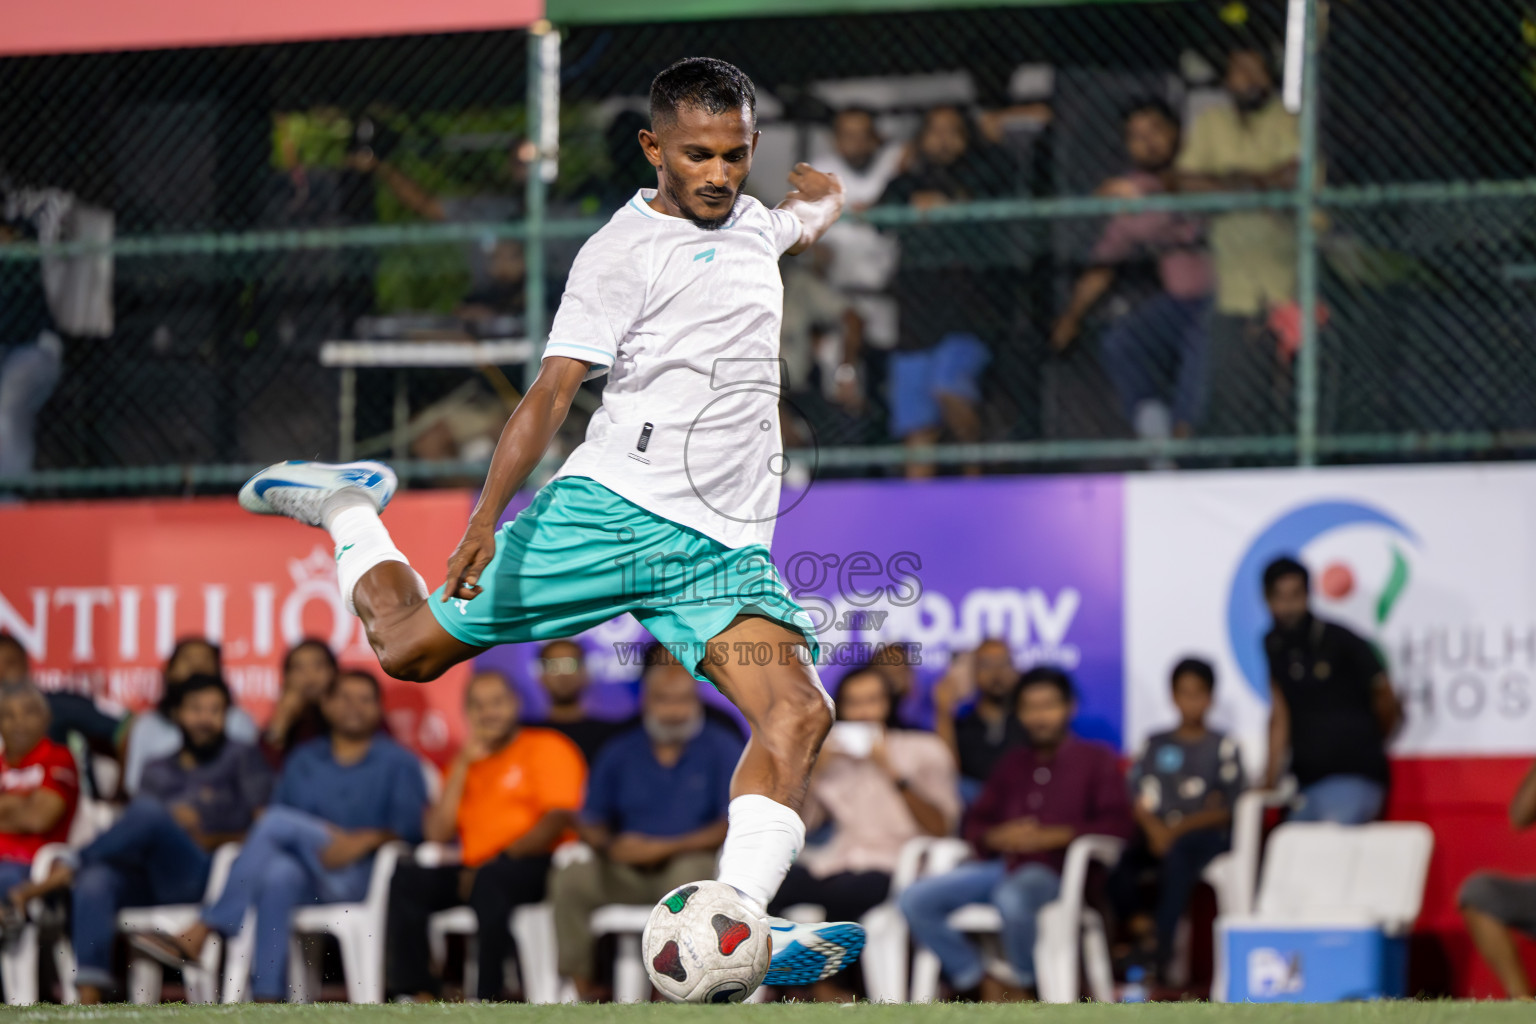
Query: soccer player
x=667 y=510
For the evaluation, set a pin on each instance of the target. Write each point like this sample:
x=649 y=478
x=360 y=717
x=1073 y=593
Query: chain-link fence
x=1082 y=235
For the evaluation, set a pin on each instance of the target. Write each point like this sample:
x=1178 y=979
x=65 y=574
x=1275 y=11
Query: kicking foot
x=299 y=489
x=804 y=954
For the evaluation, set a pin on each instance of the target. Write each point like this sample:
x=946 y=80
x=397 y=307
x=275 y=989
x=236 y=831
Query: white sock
x=362 y=542
x=763 y=839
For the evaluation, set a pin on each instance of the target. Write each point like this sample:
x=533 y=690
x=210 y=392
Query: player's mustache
x=710 y=192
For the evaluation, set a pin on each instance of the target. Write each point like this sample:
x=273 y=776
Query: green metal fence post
x=1306 y=248
x=543 y=139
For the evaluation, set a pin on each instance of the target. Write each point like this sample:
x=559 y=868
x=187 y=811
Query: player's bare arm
x=816 y=200
x=523 y=442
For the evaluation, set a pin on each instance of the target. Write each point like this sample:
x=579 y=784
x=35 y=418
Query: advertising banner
x=1435 y=566
x=941 y=565
x=99 y=592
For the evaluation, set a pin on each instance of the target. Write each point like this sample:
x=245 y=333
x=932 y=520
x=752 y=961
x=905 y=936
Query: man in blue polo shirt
x=339 y=799
x=655 y=813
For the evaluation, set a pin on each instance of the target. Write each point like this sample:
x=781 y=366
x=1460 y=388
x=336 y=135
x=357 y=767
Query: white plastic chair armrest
x=909 y=862
x=567 y=854
x=218 y=871
x=438 y=855
x=384 y=864
x=47 y=856
x=945 y=855
x=1082 y=852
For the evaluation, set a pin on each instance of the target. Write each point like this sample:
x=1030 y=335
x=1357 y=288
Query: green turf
x=945 y=1013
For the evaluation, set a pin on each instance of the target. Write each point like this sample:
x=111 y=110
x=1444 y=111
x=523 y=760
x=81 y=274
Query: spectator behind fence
x=655 y=813
x=510 y=796
x=1158 y=346
x=1183 y=788
x=863 y=258
x=338 y=800
x=1332 y=706
x=562 y=668
x=309 y=668
x=39 y=789
x=878 y=785
x=1252 y=145
x=947 y=297
x=160 y=850
x=1037 y=800
x=1496 y=906
x=152 y=735
x=988 y=729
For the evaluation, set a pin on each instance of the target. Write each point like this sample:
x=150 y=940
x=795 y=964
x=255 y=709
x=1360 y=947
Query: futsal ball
x=705 y=944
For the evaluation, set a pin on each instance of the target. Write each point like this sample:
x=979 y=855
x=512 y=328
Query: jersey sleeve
x=787 y=229
x=604 y=296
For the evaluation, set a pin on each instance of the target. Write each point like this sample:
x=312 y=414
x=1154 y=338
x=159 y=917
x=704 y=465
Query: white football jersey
x=685 y=320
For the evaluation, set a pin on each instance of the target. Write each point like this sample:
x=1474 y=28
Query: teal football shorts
x=580 y=555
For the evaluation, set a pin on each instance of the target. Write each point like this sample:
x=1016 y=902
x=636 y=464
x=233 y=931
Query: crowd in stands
x=582 y=813
x=911 y=320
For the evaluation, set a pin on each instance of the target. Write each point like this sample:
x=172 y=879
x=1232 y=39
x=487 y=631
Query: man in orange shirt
x=39 y=788
x=510 y=797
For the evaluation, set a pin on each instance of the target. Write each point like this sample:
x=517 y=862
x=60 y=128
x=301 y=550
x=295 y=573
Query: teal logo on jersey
x=708 y=256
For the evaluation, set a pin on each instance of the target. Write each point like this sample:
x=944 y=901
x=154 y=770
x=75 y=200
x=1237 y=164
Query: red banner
x=99 y=592
x=74 y=26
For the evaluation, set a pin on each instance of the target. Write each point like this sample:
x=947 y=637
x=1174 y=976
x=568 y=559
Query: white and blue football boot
x=804 y=954
x=298 y=489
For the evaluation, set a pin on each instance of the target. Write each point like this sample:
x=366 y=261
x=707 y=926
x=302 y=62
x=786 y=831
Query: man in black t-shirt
x=1332 y=706
x=989 y=728
x=562 y=669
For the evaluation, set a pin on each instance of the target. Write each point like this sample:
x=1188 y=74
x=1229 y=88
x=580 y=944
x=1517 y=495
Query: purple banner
x=940 y=565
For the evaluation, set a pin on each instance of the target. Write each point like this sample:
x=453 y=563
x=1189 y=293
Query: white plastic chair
x=19 y=958
x=1324 y=875
x=359 y=931
x=145 y=974
x=533 y=931
x=887 y=949
x=1070 y=935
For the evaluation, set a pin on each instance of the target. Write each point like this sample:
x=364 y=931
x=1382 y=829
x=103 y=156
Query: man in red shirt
x=1037 y=800
x=39 y=786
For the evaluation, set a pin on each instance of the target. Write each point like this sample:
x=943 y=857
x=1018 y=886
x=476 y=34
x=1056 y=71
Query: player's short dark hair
x=1045 y=675
x=1151 y=105
x=1197 y=667
x=704 y=82
x=356 y=673
x=176 y=695
x=1282 y=567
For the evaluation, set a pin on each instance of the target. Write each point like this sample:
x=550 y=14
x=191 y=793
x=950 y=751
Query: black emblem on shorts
x=645 y=437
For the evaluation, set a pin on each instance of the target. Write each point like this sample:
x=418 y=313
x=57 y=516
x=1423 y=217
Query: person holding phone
x=879 y=785
x=982 y=682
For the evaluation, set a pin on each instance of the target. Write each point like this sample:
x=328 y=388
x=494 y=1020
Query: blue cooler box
x=1271 y=962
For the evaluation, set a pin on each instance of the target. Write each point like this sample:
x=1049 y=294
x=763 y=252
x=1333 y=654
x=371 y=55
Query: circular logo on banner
x=1248 y=616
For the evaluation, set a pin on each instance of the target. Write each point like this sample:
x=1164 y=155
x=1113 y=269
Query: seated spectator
x=160 y=851
x=655 y=814
x=947 y=288
x=309 y=668
x=979 y=736
x=338 y=800
x=1161 y=342
x=1037 y=800
x=1496 y=906
x=1183 y=787
x=879 y=785
x=898 y=662
x=510 y=796
x=562 y=669
x=67 y=712
x=39 y=788
x=152 y=735
x=1332 y=707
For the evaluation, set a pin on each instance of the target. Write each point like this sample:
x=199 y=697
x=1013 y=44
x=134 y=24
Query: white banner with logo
x=1436 y=566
